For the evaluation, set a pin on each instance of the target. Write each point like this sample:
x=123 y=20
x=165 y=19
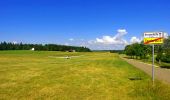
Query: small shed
x=72 y=50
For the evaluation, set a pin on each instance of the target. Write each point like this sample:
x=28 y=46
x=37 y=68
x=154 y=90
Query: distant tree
x=138 y=50
x=46 y=47
x=130 y=51
x=166 y=45
x=159 y=53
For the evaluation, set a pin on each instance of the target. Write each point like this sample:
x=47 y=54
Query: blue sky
x=97 y=24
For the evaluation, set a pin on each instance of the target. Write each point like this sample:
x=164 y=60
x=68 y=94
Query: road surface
x=162 y=74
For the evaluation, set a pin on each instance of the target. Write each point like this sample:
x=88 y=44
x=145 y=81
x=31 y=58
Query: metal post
x=153 y=69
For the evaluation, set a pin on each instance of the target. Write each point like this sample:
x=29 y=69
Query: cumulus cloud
x=135 y=40
x=121 y=32
x=116 y=40
x=109 y=42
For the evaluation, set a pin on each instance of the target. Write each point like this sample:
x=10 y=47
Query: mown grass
x=92 y=76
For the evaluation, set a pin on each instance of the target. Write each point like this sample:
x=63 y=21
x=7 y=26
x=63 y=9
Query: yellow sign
x=153 y=38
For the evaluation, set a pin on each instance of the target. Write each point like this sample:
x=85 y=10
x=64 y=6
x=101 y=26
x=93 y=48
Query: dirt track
x=160 y=73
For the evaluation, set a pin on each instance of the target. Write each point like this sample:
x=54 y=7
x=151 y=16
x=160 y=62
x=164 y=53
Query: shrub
x=165 y=58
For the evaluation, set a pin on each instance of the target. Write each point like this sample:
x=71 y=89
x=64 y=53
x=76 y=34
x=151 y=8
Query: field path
x=160 y=73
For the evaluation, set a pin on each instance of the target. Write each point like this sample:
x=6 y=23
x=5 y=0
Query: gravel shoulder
x=160 y=73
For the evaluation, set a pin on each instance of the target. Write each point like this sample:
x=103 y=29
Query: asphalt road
x=162 y=74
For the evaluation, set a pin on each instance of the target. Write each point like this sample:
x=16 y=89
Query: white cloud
x=135 y=40
x=121 y=32
x=116 y=40
x=109 y=42
x=71 y=39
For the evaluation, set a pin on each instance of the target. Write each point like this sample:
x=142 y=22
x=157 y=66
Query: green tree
x=166 y=51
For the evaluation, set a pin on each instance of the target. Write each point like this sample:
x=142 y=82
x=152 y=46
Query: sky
x=96 y=24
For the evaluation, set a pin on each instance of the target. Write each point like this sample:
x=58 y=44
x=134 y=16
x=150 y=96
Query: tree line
x=40 y=47
x=117 y=51
x=141 y=51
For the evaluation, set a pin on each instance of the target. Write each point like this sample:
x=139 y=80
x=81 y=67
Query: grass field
x=86 y=76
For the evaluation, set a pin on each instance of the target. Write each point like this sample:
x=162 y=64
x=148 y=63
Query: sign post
x=153 y=68
x=153 y=38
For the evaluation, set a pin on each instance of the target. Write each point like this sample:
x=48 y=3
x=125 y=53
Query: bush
x=165 y=58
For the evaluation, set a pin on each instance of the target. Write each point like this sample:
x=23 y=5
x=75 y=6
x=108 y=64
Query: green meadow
x=49 y=75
